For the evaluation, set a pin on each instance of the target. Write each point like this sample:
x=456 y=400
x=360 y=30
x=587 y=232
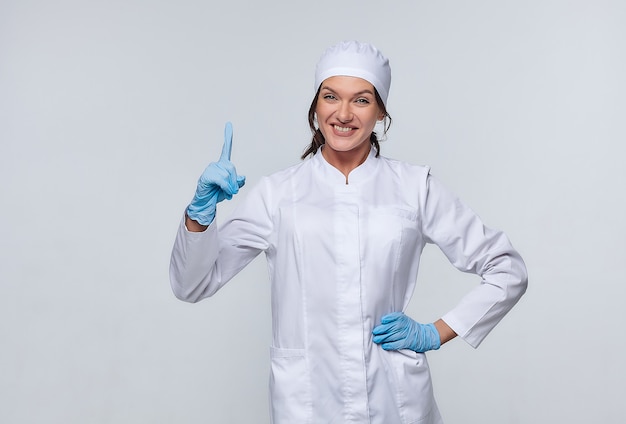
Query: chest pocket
x=391 y=256
x=392 y=231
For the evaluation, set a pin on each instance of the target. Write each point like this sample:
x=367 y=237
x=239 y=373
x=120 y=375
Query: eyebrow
x=366 y=91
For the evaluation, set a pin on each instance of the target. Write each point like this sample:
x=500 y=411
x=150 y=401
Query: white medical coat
x=340 y=256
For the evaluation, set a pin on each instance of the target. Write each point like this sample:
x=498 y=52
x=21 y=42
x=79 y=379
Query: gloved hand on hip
x=398 y=331
x=219 y=181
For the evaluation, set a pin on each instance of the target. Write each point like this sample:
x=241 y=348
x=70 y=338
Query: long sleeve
x=472 y=247
x=201 y=263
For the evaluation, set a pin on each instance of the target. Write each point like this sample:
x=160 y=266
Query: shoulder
x=403 y=169
x=282 y=176
x=280 y=183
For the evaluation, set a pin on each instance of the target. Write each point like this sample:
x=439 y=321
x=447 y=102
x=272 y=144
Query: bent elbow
x=190 y=293
x=521 y=288
x=524 y=285
x=184 y=295
x=521 y=284
x=511 y=277
x=189 y=286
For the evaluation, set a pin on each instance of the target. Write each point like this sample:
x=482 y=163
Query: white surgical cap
x=355 y=59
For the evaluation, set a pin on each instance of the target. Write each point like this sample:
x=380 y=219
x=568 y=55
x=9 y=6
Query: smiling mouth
x=342 y=129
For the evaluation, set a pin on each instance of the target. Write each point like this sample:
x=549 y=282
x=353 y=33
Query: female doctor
x=342 y=232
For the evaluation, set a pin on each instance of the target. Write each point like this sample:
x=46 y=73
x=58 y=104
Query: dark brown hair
x=318 y=139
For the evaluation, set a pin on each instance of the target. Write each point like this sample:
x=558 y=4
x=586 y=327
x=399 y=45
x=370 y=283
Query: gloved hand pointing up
x=219 y=181
x=397 y=331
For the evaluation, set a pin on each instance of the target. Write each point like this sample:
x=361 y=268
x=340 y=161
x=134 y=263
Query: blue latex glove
x=397 y=331
x=219 y=181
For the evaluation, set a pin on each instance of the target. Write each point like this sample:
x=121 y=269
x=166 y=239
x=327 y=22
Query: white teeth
x=342 y=129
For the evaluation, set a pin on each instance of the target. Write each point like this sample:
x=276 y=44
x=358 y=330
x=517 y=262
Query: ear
x=381 y=113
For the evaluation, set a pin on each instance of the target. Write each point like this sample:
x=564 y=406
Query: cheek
x=322 y=129
x=320 y=112
x=373 y=119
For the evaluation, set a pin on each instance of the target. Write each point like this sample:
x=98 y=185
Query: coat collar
x=358 y=175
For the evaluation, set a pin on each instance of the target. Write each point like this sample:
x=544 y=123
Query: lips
x=342 y=129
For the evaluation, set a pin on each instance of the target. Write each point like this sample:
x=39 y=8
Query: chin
x=345 y=147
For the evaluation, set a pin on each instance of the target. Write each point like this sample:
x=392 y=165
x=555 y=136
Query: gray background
x=109 y=111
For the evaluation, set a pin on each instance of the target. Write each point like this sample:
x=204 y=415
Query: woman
x=343 y=232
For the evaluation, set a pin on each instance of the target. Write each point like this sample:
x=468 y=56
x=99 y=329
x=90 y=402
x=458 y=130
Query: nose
x=344 y=112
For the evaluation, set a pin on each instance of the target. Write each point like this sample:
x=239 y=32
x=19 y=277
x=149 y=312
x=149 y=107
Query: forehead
x=341 y=83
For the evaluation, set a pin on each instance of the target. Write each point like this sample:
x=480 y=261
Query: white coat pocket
x=391 y=255
x=290 y=393
x=414 y=391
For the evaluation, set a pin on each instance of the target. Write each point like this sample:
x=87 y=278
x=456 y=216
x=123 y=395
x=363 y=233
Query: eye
x=329 y=97
x=362 y=100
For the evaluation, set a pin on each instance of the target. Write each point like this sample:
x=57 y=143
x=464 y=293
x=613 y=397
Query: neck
x=345 y=162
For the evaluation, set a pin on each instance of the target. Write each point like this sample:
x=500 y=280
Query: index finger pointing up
x=228 y=142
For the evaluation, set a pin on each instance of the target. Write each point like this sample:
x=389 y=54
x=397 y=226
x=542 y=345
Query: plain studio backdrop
x=110 y=110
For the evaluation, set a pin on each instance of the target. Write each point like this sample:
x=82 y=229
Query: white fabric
x=355 y=59
x=340 y=256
